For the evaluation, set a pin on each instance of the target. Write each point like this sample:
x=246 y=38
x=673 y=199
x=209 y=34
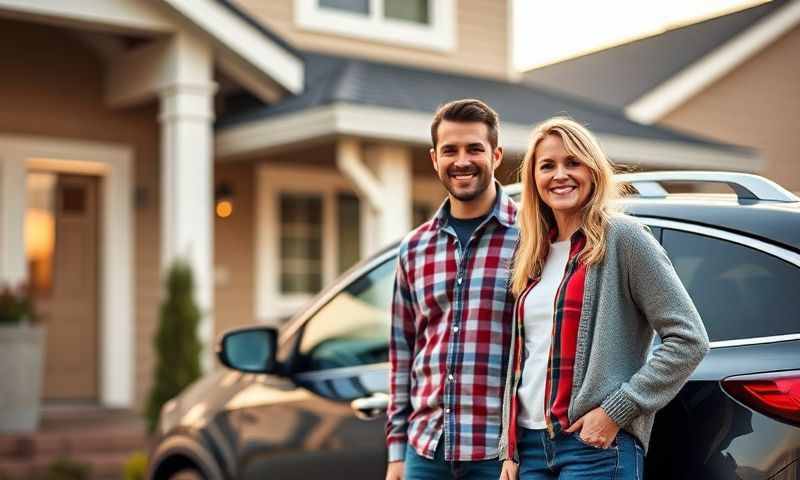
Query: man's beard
x=481 y=182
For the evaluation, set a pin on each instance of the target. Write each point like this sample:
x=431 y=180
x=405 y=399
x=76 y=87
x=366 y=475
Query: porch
x=119 y=98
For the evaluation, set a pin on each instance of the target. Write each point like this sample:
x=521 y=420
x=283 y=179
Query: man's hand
x=510 y=470
x=595 y=428
x=394 y=471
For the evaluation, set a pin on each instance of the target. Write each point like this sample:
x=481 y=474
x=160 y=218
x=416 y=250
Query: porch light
x=223 y=196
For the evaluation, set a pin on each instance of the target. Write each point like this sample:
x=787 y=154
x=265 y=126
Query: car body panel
x=303 y=426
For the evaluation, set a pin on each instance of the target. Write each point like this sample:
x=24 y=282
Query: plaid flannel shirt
x=568 y=305
x=451 y=331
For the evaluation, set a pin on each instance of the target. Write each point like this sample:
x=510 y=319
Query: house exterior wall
x=234 y=250
x=53 y=86
x=236 y=260
x=481 y=32
x=757 y=105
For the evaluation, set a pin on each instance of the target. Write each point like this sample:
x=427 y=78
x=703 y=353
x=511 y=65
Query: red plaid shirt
x=566 y=320
x=451 y=330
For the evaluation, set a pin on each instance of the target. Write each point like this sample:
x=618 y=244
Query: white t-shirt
x=538 y=311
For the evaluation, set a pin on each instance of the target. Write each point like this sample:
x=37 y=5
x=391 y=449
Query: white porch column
x=13 y=269
x=381 y=174
x=187 y=172
x=391 y=165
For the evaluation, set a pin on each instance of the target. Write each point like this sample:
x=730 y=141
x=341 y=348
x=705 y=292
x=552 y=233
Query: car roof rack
x=745 y=185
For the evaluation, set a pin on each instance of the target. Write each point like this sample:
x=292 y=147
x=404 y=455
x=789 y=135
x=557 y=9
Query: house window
x=417 y=11
x=309 y=232
x=301 y=243
x=349 y=230
x=352 y=6
x=416 y=23
x=40 y=231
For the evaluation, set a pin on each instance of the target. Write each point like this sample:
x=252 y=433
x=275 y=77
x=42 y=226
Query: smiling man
x=451 y=315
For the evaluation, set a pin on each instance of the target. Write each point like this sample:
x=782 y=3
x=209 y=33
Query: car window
x=353 y=328
x=656 y=231
x=740 y=292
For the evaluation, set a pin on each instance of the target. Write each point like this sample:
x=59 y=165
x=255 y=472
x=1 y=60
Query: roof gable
x=620 y=75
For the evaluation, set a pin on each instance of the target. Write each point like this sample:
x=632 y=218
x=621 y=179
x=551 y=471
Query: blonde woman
x=591 y=287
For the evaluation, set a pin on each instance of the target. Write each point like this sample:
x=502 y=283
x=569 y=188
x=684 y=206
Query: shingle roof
x=619 y=75
x=331 y=79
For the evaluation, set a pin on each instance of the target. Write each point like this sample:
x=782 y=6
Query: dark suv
x=300 y=404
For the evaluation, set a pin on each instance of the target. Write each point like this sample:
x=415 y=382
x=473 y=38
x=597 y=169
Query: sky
x=587 y=25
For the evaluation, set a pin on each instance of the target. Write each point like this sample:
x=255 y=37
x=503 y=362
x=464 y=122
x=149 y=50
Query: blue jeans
x=566 y=457
x=420 y=468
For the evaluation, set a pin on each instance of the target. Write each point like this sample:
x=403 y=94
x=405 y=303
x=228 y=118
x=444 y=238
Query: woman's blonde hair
x=535 y=218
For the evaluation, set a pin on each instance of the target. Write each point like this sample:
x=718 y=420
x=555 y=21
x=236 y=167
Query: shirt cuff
x=397 y=451
x=621 y=408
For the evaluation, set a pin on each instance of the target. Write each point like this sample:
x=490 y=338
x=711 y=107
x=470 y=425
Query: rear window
x=740 y=292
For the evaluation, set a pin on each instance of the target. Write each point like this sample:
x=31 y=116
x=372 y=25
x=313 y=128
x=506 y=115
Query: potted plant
x=21 y=361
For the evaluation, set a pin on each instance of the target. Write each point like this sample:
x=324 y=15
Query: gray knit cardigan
x=633 y=291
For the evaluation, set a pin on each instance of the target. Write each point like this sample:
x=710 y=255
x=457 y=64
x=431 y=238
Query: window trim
x=768 y=248
x=773 y=250
x=270 y=304
x=438 y=35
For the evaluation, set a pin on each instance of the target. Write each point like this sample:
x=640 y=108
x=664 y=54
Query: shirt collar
x=504 y=210
x=577 y=241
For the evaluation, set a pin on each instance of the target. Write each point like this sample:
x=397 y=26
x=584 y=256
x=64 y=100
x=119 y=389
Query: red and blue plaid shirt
x=568 y=305
x=451 y=331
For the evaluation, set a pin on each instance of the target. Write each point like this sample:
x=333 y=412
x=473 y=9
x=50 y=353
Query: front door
x=64 y=280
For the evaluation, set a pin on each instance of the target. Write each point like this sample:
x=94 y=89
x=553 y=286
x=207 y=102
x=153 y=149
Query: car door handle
x=370 y=408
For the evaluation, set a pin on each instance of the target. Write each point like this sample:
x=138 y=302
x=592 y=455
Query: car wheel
x=187 y=474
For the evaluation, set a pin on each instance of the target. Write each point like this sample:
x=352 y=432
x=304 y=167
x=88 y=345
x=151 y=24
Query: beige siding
x=481 y=38
x=234 y=254
x=52 y=86
x=758 y=104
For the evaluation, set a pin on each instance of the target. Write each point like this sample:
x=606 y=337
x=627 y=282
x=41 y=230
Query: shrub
x=135 y=467
x=16 y=305
x=66 y=469
x=176 y=344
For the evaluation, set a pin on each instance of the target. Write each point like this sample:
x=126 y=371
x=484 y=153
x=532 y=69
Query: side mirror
x=249 y=350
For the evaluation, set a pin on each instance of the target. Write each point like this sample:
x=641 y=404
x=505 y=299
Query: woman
x=591 y=287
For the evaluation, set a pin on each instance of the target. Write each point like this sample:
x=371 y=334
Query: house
x=734 y=78
x=271 y=144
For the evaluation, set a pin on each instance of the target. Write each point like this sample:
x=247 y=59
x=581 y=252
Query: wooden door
x=70 y=310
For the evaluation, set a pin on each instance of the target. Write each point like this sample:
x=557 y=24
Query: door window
x=353 y=328
x=740 y=292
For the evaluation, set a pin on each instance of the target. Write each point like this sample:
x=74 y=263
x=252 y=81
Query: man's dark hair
x=464 y=111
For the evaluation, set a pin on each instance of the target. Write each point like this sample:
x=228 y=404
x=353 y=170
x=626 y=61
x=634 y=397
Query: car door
x=745 y=291
x=302 y=426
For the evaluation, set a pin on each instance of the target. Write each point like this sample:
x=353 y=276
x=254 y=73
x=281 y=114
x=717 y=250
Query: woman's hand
x=394 y=470
x=595 y=428
x=509 y=471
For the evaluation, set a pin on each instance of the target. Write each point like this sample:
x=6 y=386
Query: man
x=451 y=316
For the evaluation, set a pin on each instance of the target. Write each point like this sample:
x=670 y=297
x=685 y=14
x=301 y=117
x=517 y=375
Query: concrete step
x=68 y=443
x=102 y=438
x=102 y=466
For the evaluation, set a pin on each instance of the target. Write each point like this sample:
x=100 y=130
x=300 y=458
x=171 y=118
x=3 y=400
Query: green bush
x=176 y=344
x=135 y=467
x=15 y=305
x=66 y=469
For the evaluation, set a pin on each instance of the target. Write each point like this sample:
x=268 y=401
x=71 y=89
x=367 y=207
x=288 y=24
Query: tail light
x=775 y=394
